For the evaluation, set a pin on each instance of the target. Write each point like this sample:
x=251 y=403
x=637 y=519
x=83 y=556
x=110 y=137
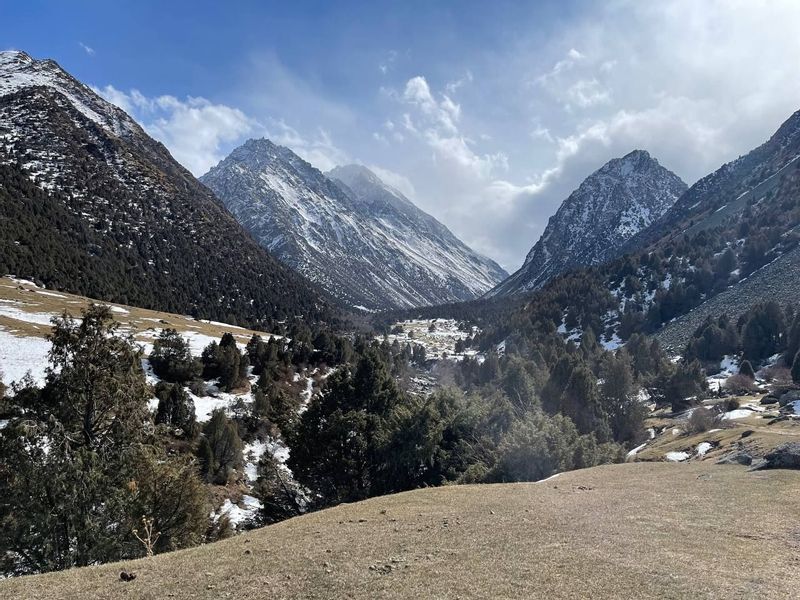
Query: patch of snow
x=739 y=413
x=37 y=318
x=703 y=448
x=252 y=453
x=119 y=310
x=635 y=451
x=20 y=355
x=677 y=456
x=236 y=514
x=612 y=344
x=218 y=323
x=22 y=281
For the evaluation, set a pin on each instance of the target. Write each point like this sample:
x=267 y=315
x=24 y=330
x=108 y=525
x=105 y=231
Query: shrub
x=739 y=384
x=701 y=419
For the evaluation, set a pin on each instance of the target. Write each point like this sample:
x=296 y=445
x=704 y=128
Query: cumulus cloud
x=436 y=121
x=695 y=83
x=194 y=129
x=200 y=133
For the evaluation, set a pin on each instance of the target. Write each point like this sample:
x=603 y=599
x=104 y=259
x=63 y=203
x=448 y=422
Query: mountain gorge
x=91 y=204
x=359 y=239
x=612 y=205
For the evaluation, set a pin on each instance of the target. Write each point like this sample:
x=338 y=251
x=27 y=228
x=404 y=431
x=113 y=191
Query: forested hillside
x=92 y=205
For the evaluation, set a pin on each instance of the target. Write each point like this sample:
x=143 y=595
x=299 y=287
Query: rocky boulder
x=785 y=456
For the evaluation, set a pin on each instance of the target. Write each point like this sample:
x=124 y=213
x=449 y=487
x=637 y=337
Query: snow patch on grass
x=677 y=456
x=20 y=355
x=703 y=448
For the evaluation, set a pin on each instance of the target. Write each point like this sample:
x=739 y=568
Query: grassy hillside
x=641 y=530
x=26 y=310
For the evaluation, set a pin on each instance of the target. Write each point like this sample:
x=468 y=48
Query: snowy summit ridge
x=613 y=204
x=358 y=238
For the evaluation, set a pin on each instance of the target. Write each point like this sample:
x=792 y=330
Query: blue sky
x=486 y=114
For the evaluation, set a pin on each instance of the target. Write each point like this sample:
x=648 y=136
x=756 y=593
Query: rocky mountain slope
x=730 y=242
x=722 y=532
x=359 y=239
x=728 y=191
x=613 y=204
x=91 y=204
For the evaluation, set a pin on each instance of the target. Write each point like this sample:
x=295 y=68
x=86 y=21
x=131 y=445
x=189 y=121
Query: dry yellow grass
x=753 y=434
x=641 y=530
x=138 y=321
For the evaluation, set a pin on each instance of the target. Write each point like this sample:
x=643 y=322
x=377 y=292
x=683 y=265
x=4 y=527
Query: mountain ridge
x=611 y=205
x=371 y=247
x=126 y=222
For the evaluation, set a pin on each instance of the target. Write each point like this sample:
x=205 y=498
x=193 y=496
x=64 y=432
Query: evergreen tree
x=222 y=454
x=172 y=358
x=339 y=447
x=175 y=407
x=746 y=370
x=71 y=461
x=225 y=362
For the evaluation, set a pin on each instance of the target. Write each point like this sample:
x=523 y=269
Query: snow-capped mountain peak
x=18 y=71
x=357 y=237
x=623 y=197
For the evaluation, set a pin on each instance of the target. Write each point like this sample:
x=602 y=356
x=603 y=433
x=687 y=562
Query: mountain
x=359 y=239
x=91 y=204
x=730 y=243
x=613 y=204
x=729 y=190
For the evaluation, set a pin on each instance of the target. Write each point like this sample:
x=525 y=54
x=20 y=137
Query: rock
x=770 y=398
x=789 y=397
x=785 y=456
x=736 y=458
x=125 y=576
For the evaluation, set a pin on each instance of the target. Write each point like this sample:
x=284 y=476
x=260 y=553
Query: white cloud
x=695 y=83
x=87 y=49
x=200 y=133
x=319 y=149
x=436 y=121
x=195 y=130
x=588 y=92
x=399 y=182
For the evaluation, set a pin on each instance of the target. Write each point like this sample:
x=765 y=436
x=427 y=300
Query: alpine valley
x=314 y=389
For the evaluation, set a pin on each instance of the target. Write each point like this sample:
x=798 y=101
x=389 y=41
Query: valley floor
x=639 y=530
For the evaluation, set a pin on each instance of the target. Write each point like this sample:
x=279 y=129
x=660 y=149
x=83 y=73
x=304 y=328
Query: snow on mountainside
x=729 y=190
x=91 y=204
x=612 y=205
x=359 y=239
